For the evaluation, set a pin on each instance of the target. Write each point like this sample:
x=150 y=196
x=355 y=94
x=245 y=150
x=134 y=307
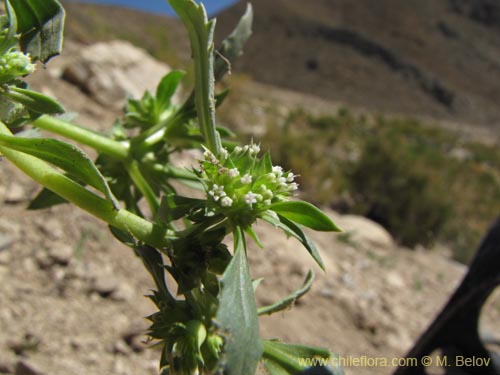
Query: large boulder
x=109 y=71
x=364 y=232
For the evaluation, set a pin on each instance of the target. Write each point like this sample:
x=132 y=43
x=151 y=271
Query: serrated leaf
x=289 y=359
x=292 y=229
x=237 y=315
x=306 y=214
x=63 y=155
x=289 y=300
x=41 y=25
x=232 y=46
x=34 y=101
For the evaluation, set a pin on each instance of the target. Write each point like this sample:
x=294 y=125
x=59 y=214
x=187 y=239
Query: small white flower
x=208 y=155
x=226 y=202
x=250 y=198
x=254 y=149
x=238 y=149
x=290 y=177
x=293 y=186
x=246 y=179
x=266 y=193
x=234 y=172
x=217 y=192
x=271 y=177
x=277 y=170
x=267 y=202
x=224 y=153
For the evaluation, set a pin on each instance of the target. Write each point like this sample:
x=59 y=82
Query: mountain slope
x=426 y=57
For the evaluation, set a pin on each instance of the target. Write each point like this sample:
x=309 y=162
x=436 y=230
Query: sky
x=161 y=6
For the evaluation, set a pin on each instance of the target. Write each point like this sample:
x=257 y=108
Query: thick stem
x=84 y=136
x=99 y=207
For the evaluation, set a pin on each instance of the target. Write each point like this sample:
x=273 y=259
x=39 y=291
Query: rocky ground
x=72 y=298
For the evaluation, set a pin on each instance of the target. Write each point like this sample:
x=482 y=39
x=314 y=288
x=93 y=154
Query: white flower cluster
x=235 y=181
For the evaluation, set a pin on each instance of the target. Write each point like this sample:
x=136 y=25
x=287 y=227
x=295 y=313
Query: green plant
x=210 y=325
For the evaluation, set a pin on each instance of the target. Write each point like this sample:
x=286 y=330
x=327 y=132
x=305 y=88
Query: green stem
x=87 y=137
x=103 y=209
x=145 y=188
x=200 y=32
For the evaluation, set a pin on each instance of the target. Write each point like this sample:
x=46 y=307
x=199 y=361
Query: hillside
x=438 y=59
x=427 y=57
x=163 y=37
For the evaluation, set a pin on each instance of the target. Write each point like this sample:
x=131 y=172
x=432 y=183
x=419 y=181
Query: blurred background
x=388 y=110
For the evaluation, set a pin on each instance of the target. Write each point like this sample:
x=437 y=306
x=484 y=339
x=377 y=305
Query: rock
x=5 y=241
x=27 y=368
x=395 y=280
x=104 y=285
x=120 y=347
x=5 y=257
x=109 y=71
x=15 y=194
x=365 y=232
x=61 y=254
x=51 y=227
x=120 y=367
x=124 y=292
x=7 y=362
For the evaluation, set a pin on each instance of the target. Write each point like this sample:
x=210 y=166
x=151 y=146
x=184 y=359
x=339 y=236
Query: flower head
x=241 y=185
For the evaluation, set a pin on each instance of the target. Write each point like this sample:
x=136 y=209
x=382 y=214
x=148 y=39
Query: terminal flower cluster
x=240 y=183
x=15 y=64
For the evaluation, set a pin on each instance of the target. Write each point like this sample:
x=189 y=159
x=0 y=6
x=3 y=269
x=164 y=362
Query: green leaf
x=292 y=229
x=289 y=300
x=166 y=89
x=237 y=315
x=255 y=236
x=288 y=359
x=9 y=40
x=201 y=32
x=63 y=155
x=306 y=214
x=232 y=46
x=41 y=25
x=154 y=264
x=173 y=207
x=45 y=199
x=34 y=101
